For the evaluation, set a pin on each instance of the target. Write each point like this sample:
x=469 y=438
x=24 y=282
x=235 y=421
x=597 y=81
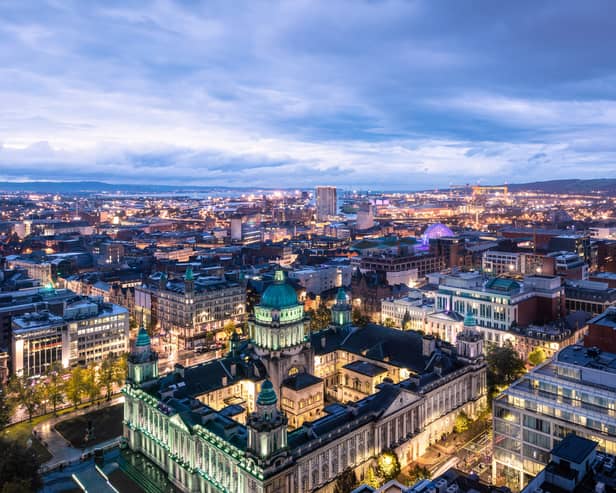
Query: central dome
x=279 y=294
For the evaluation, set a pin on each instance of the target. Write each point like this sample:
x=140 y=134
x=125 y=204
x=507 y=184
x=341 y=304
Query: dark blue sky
x=383 y=94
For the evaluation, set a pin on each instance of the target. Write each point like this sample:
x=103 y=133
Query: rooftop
x=574 y=448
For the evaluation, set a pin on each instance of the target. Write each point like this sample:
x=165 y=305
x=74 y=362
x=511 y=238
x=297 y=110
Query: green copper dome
x=469 y=319
x=189 y=276
x=279 y=294
x=341 y=297
x=267 y=396
x=143 y=339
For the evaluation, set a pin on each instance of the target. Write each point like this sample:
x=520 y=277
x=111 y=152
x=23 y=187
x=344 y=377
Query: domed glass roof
x=267 y=396
x=279 y=294
x=434 y=231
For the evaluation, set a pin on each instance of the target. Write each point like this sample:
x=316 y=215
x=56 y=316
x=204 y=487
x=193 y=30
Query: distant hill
x=99 y=186
x=603 y=185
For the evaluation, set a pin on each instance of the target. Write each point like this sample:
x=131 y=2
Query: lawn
x=21 y=432
x=107 y=424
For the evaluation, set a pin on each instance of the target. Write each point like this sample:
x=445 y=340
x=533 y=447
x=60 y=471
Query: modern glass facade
x=573 y=393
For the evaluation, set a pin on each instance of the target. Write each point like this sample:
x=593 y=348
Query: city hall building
x=256 y=420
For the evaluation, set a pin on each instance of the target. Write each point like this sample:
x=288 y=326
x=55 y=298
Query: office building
x=87 y=331
x=190 y=311
x=326 y=202
x=575 y=392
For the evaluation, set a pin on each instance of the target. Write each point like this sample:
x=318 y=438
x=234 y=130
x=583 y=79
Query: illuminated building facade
x=172 y=420
x=573 y=393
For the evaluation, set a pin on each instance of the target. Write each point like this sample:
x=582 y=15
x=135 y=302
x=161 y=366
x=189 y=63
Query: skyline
x=292 y=95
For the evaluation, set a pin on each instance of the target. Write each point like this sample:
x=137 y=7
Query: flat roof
x=365 y=368
x=574 y=448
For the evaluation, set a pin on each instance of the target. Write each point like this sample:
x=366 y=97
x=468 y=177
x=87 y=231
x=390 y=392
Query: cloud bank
x=378 y=94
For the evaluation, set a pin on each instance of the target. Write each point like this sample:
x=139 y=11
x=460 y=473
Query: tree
x=120 y=369
x=389 y=323
x=106 y=375
x=346 y=482
x=461 y=423
x=504 y=365
x=6 y=407
x=229 y=328
x=537 y=356
x=373 y=479
x=359 y=319
x=388 y=465
x=54 y=387
x=417 y=473
x=320 y=318
x=90 y=384
x=75 y=386
x=26 y=394
x=18 y=467
x=406 y=320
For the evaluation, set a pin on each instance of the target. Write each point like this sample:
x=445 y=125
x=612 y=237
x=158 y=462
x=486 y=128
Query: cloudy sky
x=380 y=94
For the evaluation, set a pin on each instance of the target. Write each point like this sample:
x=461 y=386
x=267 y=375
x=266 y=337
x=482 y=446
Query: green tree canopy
x=6 y=407
x=537 y=356
x=106 y=375
x=26 y=394
x=359 y=319
x=388 y=465
x=346 y=482
x=18 y=467
x=417 y=473
x=504 y=365
x=55 y=385
x=462 y=423
x=320 y=318
x=75 y=387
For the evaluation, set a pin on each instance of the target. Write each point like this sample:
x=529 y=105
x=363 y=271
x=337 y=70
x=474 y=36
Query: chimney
x=233 y=369
x=428 y=345
x=224 y=380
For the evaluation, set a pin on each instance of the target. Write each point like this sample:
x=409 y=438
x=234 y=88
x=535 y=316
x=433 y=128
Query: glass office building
x=575 y=392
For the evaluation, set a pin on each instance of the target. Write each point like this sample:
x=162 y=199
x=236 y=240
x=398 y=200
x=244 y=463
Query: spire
x=279 y=276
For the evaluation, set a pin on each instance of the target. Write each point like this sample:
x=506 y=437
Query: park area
x=22 y=433
x=106 y=424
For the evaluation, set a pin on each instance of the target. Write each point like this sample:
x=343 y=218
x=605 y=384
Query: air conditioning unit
x=441 y=485
x=453 y=488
